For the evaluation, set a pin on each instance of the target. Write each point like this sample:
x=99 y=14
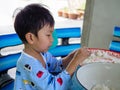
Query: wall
x=100 y=18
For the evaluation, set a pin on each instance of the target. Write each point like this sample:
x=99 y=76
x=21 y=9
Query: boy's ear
x=30 y=38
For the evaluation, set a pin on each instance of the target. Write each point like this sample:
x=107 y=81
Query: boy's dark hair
x=31 y=19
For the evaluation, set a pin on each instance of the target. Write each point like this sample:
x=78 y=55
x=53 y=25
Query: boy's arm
x=79 y=56
x=42 y=79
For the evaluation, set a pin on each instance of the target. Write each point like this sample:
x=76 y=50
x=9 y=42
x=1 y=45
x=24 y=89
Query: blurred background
x=9 y=8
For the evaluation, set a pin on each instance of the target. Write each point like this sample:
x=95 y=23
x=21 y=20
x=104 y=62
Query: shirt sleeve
x=41 y=79
x=54 y=65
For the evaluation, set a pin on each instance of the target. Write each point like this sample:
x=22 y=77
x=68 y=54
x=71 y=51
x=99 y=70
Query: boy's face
x=44 y=40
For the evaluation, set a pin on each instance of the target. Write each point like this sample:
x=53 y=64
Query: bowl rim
x=87 y=65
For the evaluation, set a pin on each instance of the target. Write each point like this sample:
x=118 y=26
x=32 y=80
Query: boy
x=36 y=68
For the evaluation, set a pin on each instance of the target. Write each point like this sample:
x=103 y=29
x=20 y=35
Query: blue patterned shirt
x=31 y=75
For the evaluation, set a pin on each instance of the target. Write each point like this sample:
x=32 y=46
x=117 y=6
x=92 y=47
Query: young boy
x=36 y=68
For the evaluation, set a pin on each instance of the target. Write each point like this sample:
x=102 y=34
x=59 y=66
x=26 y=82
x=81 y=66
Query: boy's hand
x=78 y=57
x=81 y=54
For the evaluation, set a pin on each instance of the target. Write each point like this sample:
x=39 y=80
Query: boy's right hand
x=81 y=54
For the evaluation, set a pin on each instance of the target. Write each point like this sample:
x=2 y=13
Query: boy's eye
x=48 y=35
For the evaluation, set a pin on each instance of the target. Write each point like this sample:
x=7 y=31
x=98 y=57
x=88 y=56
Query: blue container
x=75 y=84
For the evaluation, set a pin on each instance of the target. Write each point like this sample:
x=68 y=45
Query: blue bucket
x=75 y=83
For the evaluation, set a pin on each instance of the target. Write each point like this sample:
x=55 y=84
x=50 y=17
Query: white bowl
x=107 y=74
